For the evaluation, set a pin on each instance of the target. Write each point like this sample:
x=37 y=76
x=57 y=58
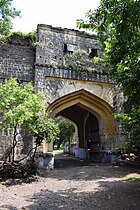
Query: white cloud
x=61 y=13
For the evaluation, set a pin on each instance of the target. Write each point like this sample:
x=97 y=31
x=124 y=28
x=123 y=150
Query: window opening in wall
x=93 y=52
x=68 y=48
x=70 y=67
x=65 y=48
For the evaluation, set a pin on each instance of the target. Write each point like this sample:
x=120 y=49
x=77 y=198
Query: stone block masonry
x=17 y=61
x=54 y=43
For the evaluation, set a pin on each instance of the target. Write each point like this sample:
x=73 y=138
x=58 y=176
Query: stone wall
x=17 y=61
x=56 y=88
x=24 y=143
x=54 y=43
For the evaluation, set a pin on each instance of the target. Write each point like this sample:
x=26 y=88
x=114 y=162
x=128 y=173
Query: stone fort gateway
x=87 y=97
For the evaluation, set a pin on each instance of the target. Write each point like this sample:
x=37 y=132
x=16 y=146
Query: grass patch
x=58 y=151
x=131 y=177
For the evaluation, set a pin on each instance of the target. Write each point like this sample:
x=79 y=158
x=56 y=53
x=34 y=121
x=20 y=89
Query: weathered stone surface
x=50 y=48
x=17 y=61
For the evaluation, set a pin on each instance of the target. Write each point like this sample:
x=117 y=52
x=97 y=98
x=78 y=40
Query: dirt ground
x=75 y=184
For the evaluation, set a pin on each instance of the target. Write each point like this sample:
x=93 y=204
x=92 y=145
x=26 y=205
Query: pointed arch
x=96 y=105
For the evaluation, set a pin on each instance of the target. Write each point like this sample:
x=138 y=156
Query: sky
x=58 y=13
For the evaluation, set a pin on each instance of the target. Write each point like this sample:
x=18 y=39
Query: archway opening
x=67 y=135
x=88 y=131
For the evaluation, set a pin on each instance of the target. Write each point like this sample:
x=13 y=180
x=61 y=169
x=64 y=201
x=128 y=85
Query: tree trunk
x=33 y=170
x=14 y=144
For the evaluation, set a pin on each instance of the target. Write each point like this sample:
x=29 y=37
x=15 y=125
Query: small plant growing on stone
x=79 y=60
x=21 y=38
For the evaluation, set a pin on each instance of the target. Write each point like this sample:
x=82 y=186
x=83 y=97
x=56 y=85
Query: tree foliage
x=7 y=13
x=117 y=25
x=67 y=131
x=43 y=128
x=21 y=106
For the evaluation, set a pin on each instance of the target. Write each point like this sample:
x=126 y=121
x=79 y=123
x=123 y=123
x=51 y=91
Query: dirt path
x=77 y=185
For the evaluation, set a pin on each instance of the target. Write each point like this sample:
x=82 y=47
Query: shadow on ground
x=83 y=185
x=70 y=168
x=8 y=207
x=109 y=196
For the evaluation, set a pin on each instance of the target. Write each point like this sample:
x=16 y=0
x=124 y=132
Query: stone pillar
x=46 y=157
x=47 y=147
x=76 y=135
x=82 y=130
x=81 y=135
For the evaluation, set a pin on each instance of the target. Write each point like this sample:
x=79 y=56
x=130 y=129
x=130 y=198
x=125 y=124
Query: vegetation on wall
x=20 y=37
x=79 y=60
x=117 y=24
x=30 y=37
